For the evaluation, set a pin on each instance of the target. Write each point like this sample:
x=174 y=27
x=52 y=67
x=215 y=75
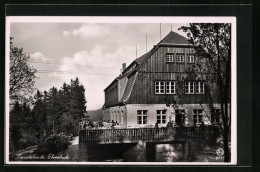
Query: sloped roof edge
x=124 y=100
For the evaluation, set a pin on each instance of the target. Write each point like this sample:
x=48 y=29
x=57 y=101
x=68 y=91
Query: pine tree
x=14 y=127
x=39 y=112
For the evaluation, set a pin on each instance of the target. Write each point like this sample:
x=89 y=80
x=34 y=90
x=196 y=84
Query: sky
x=93 y=52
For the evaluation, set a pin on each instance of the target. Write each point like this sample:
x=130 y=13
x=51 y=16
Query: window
x=190 y=58
x=170 y=87
x=197 y=116
x=161 y=116
x=162 y=87
x=169 y=58
x=189 y=87
x=215 y=118
x=199 y=87
x=142 y=117
x=159 y=87
x=180 y=58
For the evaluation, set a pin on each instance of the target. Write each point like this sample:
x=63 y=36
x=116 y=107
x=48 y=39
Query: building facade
x=159 y=87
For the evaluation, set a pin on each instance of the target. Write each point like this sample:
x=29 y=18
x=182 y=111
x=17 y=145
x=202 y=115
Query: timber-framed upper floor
x=159 y=75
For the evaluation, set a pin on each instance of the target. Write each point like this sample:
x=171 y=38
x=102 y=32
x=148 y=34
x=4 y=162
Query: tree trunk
x=225 y=146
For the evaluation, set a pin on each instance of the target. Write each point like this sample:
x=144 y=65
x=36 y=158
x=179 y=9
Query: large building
x=159 y=87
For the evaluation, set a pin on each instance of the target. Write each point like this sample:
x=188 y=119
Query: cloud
x=96 y=69
x=88 y=30
x=38 y=56
x=93 y=52
x=66 y=33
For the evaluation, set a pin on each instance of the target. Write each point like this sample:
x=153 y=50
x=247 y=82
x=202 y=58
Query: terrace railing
x=136 y=134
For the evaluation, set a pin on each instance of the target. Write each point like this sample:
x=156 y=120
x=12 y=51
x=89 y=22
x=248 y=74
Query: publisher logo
x=220 y=152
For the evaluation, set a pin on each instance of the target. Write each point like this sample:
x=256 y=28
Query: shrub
x=53 y=144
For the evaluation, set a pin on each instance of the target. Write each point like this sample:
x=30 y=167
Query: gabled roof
x=140 y=59
x=174 y=38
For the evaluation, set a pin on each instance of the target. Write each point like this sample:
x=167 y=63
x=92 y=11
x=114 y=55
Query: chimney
x=124 y=66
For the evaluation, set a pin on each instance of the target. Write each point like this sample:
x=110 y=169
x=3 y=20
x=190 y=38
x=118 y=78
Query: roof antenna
x=136 y=52
x=160 y=32
x=171 y=28
x=146 y=42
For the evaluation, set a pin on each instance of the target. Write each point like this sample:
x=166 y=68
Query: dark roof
x=174 y=38
x=140 y=59
x=117 y=78
x=128 y=88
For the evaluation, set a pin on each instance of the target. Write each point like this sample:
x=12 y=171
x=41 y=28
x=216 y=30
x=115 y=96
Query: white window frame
x=169 y=58
x=161 y=87
x=180 y=58
x=170 y=87
x=199 y=87
x=190 y=58
x=161 y=114
x=142 y=116
x=189 y=87
x=198 y=114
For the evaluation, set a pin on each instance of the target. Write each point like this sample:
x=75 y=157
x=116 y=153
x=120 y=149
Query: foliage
x=22 y=132
x=65 y=107
x=53 y=144
x=22 y=75
x=54 y=111
x=213 y=49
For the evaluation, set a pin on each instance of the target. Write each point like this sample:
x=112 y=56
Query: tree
x=22 y=130
x=78 y=101
x=39 y=113
x=213 y=42
x=22 y=75
x=14 y=127
x=64 y=107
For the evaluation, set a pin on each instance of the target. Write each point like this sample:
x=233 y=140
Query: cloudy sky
x=93 y=52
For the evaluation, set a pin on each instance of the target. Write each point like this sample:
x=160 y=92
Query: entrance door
x=178 y=120
x=179 y=117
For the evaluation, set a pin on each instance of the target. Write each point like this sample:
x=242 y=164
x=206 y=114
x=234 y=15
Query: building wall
x=111 y=95
x=157 y=61
x=126 y=116
x=156 y=68
x=116 y=113
x=170 y=114
x=151 y=114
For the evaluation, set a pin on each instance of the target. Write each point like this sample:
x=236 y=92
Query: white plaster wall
x=131 y=110
x=129 y=116
x=151 y=114
x=116 y=113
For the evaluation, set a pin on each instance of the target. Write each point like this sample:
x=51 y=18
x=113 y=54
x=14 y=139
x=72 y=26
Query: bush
x=53 y=144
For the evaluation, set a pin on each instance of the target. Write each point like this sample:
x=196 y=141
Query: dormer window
x=180 y=58
x=190 y=58
x=169 y=58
